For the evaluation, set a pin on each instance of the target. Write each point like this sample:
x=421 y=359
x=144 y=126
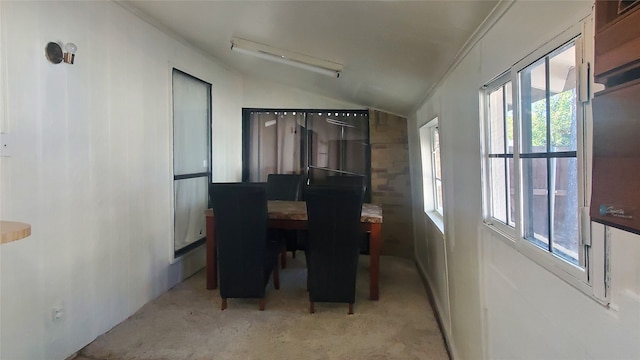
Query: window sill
x=436 y=219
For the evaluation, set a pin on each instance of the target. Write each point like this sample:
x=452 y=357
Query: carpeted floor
x=187 y=323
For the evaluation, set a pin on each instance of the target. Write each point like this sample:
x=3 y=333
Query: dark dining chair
x=246 y=257
x=334 y=233
x=284 y=187
x=353 y=180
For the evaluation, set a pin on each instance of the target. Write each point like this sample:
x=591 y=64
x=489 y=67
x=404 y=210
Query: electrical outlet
x=5 y=148
x=57 y=313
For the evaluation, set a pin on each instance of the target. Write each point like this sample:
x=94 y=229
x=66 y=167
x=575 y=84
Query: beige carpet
x=187 y=323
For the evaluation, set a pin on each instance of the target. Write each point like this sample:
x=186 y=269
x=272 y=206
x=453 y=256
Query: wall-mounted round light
x=53 y=52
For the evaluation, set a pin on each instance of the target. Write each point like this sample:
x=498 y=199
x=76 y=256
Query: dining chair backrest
x=349 y=180
x=346 y=180
x=283 y=187
x=240 y=211
x=334 y=241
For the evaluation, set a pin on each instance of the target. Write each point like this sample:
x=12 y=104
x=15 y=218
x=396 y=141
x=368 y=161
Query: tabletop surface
x=297 y=210
x=12 y=231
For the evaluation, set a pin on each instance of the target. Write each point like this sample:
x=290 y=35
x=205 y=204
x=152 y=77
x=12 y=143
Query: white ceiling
x=393 y=52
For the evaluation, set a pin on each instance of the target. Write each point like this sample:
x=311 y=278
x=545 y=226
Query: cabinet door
x=617 y=40
x=615 y=196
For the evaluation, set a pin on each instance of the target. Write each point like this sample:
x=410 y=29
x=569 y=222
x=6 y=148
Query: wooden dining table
x=293 y=215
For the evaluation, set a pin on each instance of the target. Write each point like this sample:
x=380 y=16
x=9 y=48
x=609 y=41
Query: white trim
x=482 y=280
x=487 y=24
x=428 y=173
x=447 y=333
x=599 y=278
x=172 y=198
x=496 y=83
x=437 y=220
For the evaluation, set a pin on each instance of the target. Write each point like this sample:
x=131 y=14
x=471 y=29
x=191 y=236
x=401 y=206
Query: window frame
x=488 y=217
x=542 y=256
x=174 y=71
x=436 y=163
x=527 y=230
x=585 y=277
x=429 y=178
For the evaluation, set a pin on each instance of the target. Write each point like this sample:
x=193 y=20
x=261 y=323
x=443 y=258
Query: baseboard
x=435 y=309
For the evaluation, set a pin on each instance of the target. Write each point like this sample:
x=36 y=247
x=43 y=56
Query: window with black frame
x=322 y=145
x=191 y=159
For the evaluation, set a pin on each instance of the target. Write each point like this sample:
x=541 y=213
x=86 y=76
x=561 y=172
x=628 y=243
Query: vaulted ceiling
x=393 y=52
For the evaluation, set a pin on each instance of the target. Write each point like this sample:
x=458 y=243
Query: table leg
x=375 y=242
x=212 y=266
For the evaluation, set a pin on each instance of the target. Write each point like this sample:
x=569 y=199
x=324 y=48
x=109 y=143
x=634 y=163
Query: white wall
x=502 y=304
x=91 y=167
x=91 y=170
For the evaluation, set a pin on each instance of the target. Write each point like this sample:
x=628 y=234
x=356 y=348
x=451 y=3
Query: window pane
x=509 y=118
x=436 y=153
x=534 y=108
x=190 y=124
x=190 y=202
x=496 y=122
x=535 y=201
x=274 y=144
x=337 y=143
x=498 y=189
x=425 y=153
x=438 y=196
x=512 y=193
x=263 y=146
x=562 y=103
x=565 y=208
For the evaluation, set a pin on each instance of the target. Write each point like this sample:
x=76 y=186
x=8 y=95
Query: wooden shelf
x=12 y=231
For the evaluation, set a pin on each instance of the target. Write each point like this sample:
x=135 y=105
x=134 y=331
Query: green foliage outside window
x=562 y=108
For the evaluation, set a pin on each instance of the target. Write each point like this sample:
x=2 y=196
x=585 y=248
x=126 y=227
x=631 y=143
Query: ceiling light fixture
x=301 y=61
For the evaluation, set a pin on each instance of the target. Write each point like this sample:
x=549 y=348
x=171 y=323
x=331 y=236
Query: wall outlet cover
x=5 y=145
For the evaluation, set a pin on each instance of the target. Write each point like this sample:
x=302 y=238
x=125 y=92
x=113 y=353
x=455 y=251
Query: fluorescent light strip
x=286 y=57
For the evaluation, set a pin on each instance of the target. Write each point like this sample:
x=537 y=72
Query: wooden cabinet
x=617 y=41
x=615 y=196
